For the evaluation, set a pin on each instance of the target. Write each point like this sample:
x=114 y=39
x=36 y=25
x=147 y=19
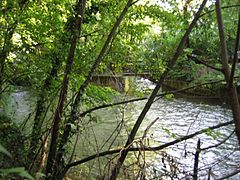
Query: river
x=175 y=118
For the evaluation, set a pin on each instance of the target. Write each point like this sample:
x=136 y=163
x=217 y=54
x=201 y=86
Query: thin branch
x=230 y=175
x=99 y=59
x=148 y=127
x=235 y=58
x=194 y=58
x=218 y=144
x=74 y=147
x=144 y=98
x=196 y=161
x=90 y=34
x=74 y=112
x=224 y=7
x=150 y=101
x=134 y=2
x=223 y=44
x=146 y=148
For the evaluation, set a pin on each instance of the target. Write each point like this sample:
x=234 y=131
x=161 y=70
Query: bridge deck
x=121 y=75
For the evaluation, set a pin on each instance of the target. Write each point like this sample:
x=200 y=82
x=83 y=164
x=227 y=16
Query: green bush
x=13 y=140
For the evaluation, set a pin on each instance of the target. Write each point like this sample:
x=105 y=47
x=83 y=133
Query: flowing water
x=173 y=118
x=176 y=118
x=18 y=103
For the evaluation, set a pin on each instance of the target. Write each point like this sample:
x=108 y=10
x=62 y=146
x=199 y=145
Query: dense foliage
x=56 y=47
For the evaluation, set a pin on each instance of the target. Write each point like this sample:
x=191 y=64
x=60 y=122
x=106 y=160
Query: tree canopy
x=56 y=47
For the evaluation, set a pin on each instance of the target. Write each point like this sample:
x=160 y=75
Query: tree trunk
x=80 y=7
x=41 y=110
x=232 y=92
x=74 y=116
x=178 y=52
x=235 y=58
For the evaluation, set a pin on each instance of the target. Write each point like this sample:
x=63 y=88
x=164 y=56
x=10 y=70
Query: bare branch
x=218 y=144
x=230 y=175
x=194 y=58
x=224 y=7
x=196 y=161
x=74 y=112
x=134 y=2
x=144 y=98
x=146 y=148
x=148 y=127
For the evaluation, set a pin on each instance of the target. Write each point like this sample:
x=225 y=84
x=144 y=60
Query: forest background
x=55 y=48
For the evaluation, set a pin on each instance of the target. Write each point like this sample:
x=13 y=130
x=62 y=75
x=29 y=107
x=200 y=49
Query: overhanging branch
x=204 y=63
x=146 y=148
x=144 y=98
x=224 y=7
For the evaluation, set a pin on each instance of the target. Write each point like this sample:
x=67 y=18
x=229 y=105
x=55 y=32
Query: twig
x=148 y=127
x=147 y=148
x=230 y=175
x=224 y=7
x=144 y=98
x=196 y=161
x=218 y=144
x=74 y=147
x=194 y=58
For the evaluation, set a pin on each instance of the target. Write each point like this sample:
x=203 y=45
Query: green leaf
x=214 y=134
x=26 y=175
x=18 y=170
x=4 y=151
x=166 y=131
x=169 y=96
